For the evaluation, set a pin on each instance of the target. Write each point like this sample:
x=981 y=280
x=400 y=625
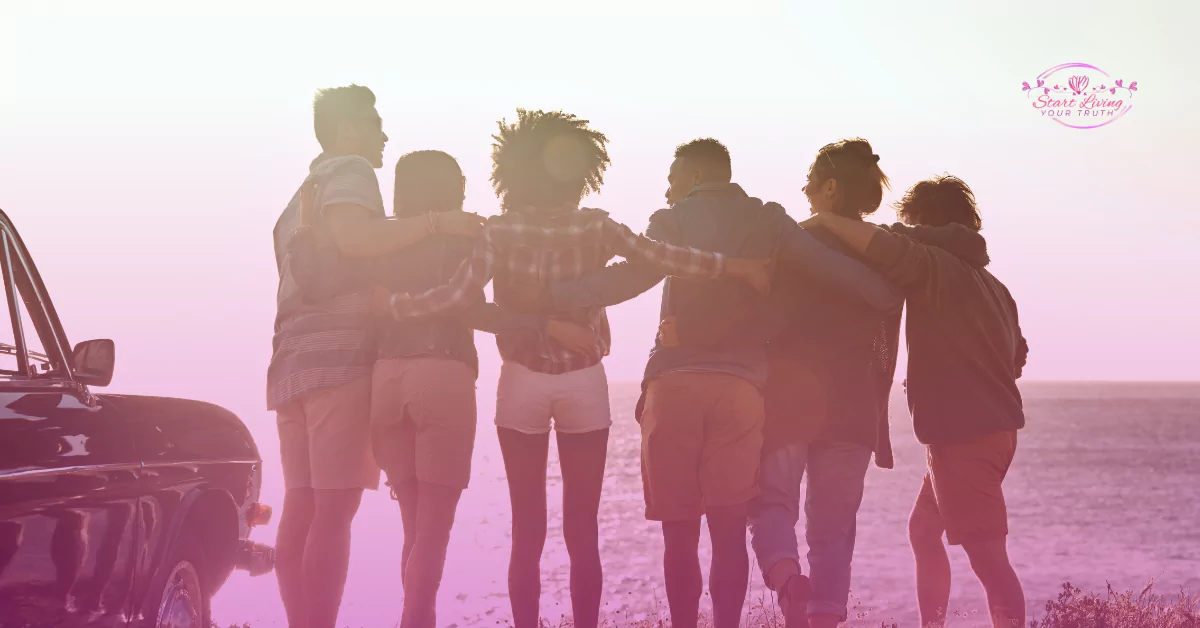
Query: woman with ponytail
x=831 y=372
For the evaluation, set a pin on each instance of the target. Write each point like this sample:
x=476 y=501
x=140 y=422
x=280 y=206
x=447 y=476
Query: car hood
x=183 y=430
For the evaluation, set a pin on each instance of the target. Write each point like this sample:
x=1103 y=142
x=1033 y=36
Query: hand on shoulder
x=458 y=223
x=816 y=220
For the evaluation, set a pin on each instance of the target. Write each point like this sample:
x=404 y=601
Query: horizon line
x=1035 y=381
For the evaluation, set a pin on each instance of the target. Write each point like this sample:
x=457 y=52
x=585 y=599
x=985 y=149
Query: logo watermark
x=1080 y=96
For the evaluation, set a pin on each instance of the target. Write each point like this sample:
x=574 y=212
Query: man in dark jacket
x=966 y=353
x=701 y=411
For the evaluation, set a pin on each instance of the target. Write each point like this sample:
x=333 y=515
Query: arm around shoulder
x=902 y=259
x=497 y=319
x=615 y=283
x=803 y=253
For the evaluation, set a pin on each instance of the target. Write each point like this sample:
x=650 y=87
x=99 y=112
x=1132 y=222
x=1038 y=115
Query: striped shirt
x=532 y=248
x=328 y=344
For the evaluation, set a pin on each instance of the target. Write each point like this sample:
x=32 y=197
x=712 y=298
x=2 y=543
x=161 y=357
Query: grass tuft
x=1073 y=608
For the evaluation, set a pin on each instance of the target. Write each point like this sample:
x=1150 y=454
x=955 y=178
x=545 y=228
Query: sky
x=145 y=153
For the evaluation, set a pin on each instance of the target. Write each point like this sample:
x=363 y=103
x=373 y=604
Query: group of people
x=774 y=360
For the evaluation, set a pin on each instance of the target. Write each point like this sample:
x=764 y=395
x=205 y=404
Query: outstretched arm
x=620 y=282
x=603 y=287
x=663 y=257
x=686 y=262
x=350 y=203
x=361 y=235
x=497 y=319
x=649 y=259
x=803 y=253
x=468 y=281
x=901 y=259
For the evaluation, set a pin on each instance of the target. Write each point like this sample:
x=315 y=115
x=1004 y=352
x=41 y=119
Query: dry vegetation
x=1073 y=608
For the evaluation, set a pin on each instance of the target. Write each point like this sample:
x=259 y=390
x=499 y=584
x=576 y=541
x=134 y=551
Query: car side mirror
x=93 y=361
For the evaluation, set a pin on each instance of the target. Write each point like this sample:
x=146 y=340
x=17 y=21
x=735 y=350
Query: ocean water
x=1105 y=488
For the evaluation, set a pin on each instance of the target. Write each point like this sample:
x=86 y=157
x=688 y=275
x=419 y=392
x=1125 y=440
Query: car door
x=68 y=473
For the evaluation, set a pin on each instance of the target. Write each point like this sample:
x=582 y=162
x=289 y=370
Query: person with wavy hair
x=543 y=164
x=966 y=352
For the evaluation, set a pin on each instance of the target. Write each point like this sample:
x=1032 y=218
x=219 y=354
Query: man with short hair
x=701 y=411
x=319 y=381
x=966 y=353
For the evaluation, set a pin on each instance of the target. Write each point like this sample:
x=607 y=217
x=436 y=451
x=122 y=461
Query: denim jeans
x=836 y=471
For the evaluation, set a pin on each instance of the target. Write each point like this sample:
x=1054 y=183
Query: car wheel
x=182 y=599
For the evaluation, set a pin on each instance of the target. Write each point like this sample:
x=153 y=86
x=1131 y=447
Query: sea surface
x=1105 y=489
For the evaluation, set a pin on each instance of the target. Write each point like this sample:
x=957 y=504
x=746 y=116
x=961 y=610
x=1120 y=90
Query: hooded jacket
x=965 y=348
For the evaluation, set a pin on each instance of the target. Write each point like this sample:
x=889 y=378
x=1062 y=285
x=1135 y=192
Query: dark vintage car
x=115 y=510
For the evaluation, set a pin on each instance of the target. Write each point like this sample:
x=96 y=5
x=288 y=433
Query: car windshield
x=10 y=353
x=26 y=327
x=7 y=349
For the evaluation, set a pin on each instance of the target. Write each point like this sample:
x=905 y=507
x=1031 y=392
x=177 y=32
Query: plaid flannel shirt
x=534 y=248
x=322 y=345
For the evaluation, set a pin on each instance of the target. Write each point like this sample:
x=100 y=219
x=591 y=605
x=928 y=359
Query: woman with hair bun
x=827 y=394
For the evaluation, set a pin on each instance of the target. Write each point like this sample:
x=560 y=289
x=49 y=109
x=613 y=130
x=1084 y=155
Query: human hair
x=428 y=181
x=941 y=200
x=334 y=105
x=855 y=167
x=709 y=157
x=546 y=160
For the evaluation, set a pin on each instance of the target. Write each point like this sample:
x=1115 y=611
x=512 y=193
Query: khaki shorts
x=325 y=439
x=963 y=486
x=701 y=444
x=423 y=420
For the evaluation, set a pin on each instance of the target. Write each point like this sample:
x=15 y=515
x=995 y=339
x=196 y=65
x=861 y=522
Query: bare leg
x=525 y=457
x=681 y=570
x=729 y=575
x=582 y=457
x=1006 y=599
x=925 y=530
x=408 y=498
x=327 y=553
x=427 y=561
x=294 y=523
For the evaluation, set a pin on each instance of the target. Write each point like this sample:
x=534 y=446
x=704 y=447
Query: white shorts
x=577 y=401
